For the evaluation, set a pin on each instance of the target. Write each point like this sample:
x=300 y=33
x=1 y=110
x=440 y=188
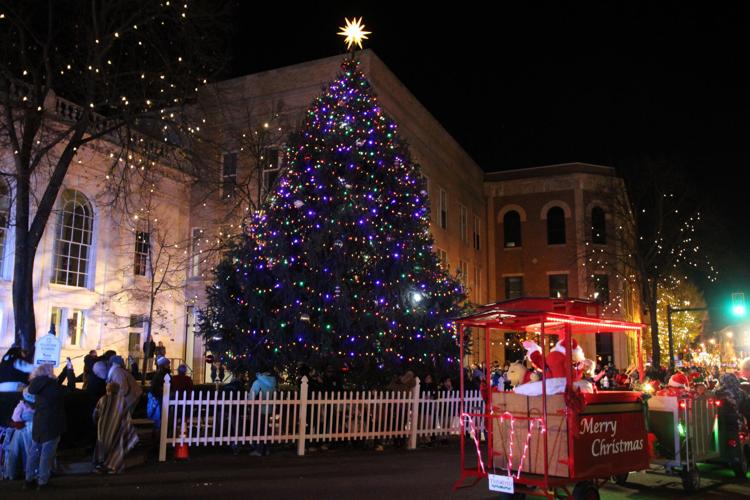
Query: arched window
x=598 y=226
x=73 y=240
x=512 y=229
x=555 y=226
x=4 y=217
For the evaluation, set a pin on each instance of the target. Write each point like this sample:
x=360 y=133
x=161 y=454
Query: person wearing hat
x=153 y=408
x=181 y=382
x=48 y=426
x=19 y=437
x=129 y=389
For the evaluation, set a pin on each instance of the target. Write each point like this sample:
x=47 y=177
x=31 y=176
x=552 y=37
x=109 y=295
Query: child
x=21 y=422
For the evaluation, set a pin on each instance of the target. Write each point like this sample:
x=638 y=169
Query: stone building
x=508 y=233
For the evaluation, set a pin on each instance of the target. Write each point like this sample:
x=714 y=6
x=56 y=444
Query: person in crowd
x=19 y=436
x=88 y=366
x=133 y=367
x=264 y=384
x=181 y=382
x=161 y=350
x=331 y=381
x=48 y=425
x=115 y=433
x=128 y=387
x=157 y=391
x=97 y=381
x=14 y=370
x=428 y=385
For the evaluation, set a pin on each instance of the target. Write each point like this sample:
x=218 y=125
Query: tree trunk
x=23 y=300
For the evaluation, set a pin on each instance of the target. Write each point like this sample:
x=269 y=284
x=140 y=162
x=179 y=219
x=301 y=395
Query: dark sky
x=533 y=83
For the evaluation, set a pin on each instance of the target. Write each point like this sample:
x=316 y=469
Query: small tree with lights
x=338 y=265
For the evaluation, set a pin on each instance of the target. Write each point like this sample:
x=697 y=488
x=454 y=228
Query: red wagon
x=551 y=444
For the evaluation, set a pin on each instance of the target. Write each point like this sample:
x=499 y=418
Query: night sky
x=531 y=83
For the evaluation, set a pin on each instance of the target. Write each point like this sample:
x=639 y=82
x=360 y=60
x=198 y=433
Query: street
x=340 y=473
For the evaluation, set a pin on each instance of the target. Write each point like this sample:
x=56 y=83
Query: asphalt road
x=342 y=473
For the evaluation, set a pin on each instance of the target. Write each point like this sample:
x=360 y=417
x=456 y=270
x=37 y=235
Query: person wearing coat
x=19 y=437
x=48 y=425
x=264 y=384
x=129 y=389
x=116 y=435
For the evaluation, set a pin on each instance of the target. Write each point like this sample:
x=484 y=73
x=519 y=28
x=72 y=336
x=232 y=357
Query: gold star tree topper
x=354 y=31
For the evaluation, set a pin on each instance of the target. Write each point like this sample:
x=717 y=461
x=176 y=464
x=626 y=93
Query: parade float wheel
x=585 y=490
x=620 y=479
x=691 y=480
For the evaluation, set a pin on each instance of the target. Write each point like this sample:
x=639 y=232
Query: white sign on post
x=501 y=484
x=47 y=351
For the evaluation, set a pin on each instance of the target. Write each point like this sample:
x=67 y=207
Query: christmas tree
x=338 y=265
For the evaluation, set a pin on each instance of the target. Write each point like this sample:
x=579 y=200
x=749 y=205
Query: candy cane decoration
x=506 y=416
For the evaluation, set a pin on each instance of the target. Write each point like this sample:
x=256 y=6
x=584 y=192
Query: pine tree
x=338 y=266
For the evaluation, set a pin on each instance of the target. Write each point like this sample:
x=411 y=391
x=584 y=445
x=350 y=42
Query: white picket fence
x=231 y=418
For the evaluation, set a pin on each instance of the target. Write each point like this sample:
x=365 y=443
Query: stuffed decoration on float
x=554 y=371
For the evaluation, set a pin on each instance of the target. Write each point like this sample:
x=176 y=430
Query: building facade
x=506 y=234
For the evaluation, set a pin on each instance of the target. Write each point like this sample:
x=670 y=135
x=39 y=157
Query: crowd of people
x=44 y=410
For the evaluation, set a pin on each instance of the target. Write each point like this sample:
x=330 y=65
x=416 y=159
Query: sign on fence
x=501 y=484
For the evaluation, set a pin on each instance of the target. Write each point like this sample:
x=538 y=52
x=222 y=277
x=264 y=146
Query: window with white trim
x=73 y=241
x=463 y=273
x=228 y=174
x=140 y=255
x=477 y=284
x=463 y=223
x=195 y=252
x=75 y=327
x=442 y=257
x=443 y=215
x=271 y=163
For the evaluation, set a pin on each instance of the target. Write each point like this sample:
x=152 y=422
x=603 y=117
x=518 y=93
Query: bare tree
x=75 y=72
x=650 y=241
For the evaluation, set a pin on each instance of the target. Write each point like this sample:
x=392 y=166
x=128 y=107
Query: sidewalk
x=340 y=473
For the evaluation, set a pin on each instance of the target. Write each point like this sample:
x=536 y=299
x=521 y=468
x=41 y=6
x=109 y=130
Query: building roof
x=549 y=171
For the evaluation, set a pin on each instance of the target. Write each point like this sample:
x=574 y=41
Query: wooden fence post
x=164 y=420
x=302 y=423
x=414 y=416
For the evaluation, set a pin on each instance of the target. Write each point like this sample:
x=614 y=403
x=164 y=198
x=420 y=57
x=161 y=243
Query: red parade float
x=567 y=438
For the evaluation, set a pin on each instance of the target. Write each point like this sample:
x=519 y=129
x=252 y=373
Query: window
x=137 y=321
x=140 y=257
x=477 y=284
x=442 y=257
x=463 y=273
x=195 y=252
x=443 y=209
x=512 y=229
x=601 y=288
x=556 y=226
x=73 y=241
x=4 y=218
x=558 y=286
x=271 y=162
x=228 y=174
x=477 y=226
x=75 y=327
x=55 y=319
x=598 y=226
x=513 y=287
x=463 y=223
x=605 y=348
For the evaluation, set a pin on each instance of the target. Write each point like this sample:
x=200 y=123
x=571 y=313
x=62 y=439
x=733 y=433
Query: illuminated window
x=73 y=240
x=140 y=256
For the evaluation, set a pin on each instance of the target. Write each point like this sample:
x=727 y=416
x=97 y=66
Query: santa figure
x=534 y=355
x=678 y=385
x=557 y=361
